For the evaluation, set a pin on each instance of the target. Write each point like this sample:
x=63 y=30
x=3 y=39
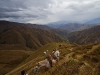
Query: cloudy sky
x=45 y=11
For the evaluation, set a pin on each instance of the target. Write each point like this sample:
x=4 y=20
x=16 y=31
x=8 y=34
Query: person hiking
x=45 y=52
x=53 y=51
x=36 y=68
x=56 y=55
x=60 y=45
x=52 y=54
x=49 y=58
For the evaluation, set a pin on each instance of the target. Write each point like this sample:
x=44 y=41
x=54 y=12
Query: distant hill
x=85 y=26
x=94 y=21
x=29 y=35
x=71 y=27
x=65 y=25
x=86 y=36
x=57 y=24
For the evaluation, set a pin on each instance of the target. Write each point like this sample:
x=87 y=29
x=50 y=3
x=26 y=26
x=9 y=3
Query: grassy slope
x=27 y=35
x=91 y=35
x=9 y=59
x=74 y=60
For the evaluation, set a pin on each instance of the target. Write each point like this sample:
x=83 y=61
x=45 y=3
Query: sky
x=46 y=11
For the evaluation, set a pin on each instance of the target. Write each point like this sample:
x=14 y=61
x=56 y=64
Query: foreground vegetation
x=74 y=60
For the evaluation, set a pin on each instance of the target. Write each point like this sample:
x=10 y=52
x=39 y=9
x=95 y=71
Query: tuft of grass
x=71 y=61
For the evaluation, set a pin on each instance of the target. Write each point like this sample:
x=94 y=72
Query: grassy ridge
x=38 y=55
x=74 y=60
x=31 y=36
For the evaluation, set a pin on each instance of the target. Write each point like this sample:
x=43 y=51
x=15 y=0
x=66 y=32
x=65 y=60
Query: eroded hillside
x=91 y=35
x=26 y=35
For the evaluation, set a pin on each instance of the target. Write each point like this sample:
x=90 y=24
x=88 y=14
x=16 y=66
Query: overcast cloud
x=45 y=11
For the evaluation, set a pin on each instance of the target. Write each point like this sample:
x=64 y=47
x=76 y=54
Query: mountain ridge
x=74 y=26
x=31 y=36
x=74 y=60
x=91 y=35
x=94 y=21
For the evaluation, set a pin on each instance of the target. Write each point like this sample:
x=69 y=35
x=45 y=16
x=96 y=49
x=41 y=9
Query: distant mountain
x=64 y=25
x=94 y=21
x=29 y=35
x=86 y=36
x=71 y=27
x=57 y=24
x=86 y=26
x=61 y=32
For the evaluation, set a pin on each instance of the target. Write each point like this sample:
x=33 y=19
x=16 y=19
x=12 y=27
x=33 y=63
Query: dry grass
x=9 y=59
x=70 y=64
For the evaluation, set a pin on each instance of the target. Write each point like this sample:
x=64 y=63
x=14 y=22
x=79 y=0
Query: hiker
x=36 y=68
x=53 y=51
x=45 y=52
x=56 y=55
x=23 y=72
x=49 y=58
x=60 y=45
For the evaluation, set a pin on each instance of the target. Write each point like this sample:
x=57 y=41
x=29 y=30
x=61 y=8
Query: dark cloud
x=2 y=9
x=21 y=9
x=13 y=4
x=43 y=11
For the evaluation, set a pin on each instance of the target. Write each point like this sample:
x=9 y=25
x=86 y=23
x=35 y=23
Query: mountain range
x=27 y=35
x=34 y=36
x=91 y=35
x=72 y=26
x=94 y=21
